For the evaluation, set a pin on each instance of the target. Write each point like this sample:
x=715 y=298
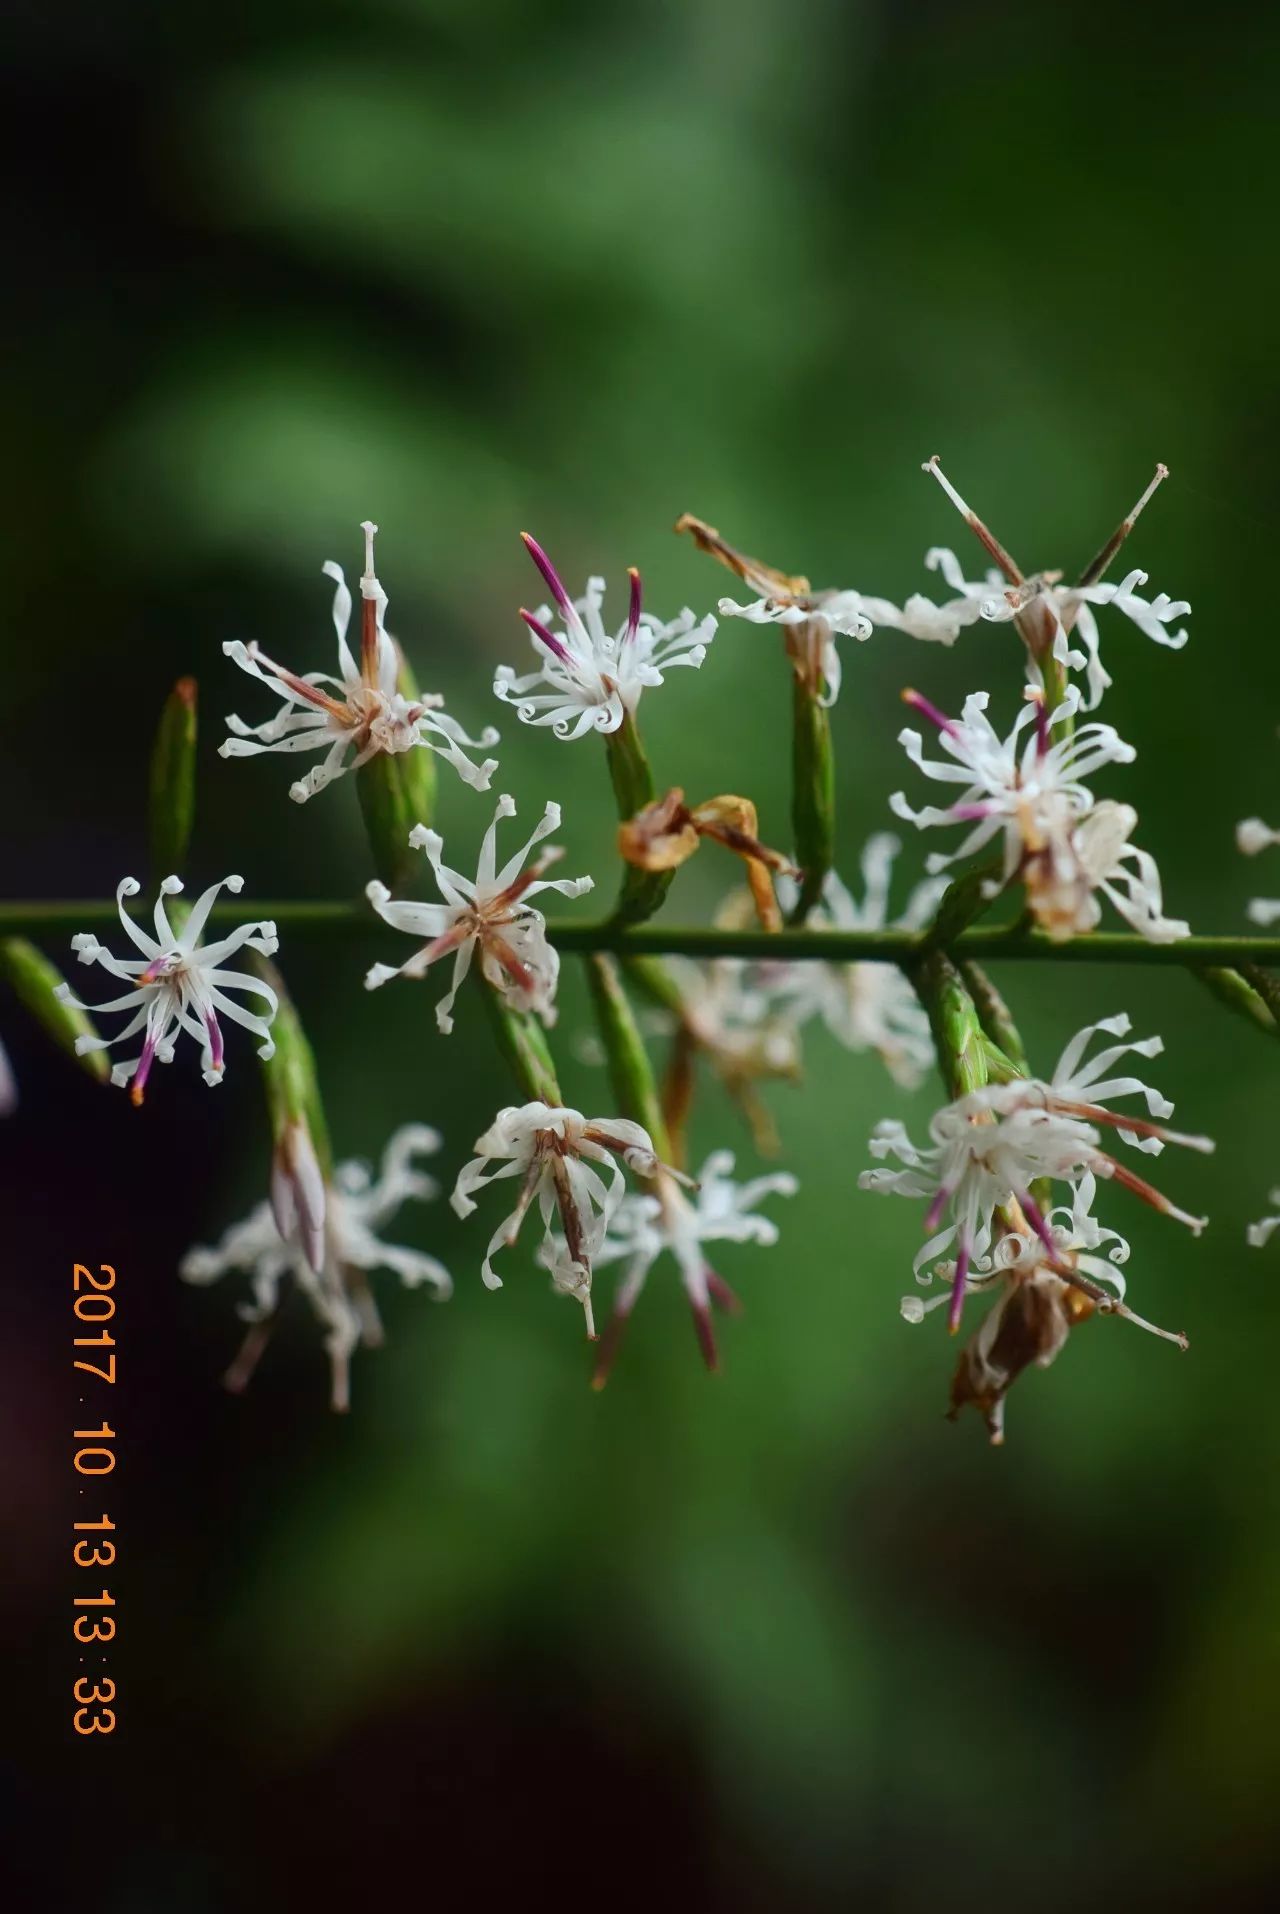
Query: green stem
x=985 y=944
x=630 y=1071
x=813 y=794
x=642 y=892
x=523 y=1043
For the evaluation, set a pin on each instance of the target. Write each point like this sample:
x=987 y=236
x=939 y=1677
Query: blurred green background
x=782 y=1636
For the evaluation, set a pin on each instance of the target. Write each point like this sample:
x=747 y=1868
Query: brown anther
x=752 y=571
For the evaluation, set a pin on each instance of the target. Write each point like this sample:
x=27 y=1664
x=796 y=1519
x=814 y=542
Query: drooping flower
x=177 y=984
x=361 y=711
x=1252 y=836
x=590 y=679
x=990 y=1147
x=357 y=1206
x=554 y=1152
x=1029 y=789
x=738 y=1017
x=491 y=913
x=665 y=834
x=865 y=1006
x=1045 y=1283
x=1049 y=614
x=811 y=621
x=646 y=1226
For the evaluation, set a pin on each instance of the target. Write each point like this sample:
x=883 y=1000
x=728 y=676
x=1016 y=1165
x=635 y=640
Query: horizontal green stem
x=983 y=944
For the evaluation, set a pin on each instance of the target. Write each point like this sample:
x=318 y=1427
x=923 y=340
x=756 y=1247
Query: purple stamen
x=970 y=813
x=721 y=1294
x=552 y=577
x=705 y=1333
x=546 y=636
x=153 y=972
x=934 y=1212
x=633 y=614
x=1035 y=1216
x=143 y=1071
x=957 y=1289
x=215 y=1040
x=930 y=711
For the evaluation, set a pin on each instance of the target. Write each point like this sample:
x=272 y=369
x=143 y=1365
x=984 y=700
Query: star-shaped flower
x=490 y=913
x=589 y=678
x=359 y=713
x=177 y=984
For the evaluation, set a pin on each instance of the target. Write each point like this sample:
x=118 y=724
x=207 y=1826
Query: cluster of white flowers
x=992 y=1148
x=997 y=1156
x=1029 y=790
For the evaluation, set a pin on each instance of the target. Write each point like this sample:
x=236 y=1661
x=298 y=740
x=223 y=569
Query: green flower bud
x=34 y=980
x=173 y=782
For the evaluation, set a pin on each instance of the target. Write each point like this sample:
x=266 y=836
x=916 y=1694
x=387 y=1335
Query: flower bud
x=37 y=982
x=173 y=780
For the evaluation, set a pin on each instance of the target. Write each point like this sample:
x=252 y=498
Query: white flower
x=645 y=1227
x=920 y=618
x=1252 y=836
x=811 y=621
x=1029 y=789
x=492 y=912
x=719 y=1211
x=738 y=1017
x=1049 y=614
x=358 y=1205
x=362 y=710
x=989 y=1147
x=1046 y=1284
x=594 y=678
x=177 y=984
x=865 y=1006
x=1261 y=1232
x=554 y=1151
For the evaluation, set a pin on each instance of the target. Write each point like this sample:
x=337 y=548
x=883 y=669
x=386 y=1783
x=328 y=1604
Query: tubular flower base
x=554 y=1151
x=865 y=1007
x=592 y=678
x=1030 y=791
x=491 y=913
x=1048 y=614
x=645 y=1227
x=358 y=1205
x=811 y=621
x=362 y=711
x=176 y=984
x=989 y=1148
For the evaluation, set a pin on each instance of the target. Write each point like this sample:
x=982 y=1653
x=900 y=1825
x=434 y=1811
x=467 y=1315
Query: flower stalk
x=813 y=792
